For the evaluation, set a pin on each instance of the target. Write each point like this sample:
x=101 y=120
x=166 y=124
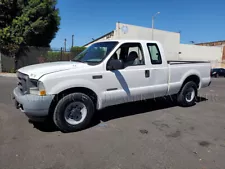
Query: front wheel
x=188 y=94
x=73 y=112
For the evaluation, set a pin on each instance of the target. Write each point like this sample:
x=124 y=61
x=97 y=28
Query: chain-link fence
x=35 y=55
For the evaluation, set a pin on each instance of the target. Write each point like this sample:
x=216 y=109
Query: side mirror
x=115 y=64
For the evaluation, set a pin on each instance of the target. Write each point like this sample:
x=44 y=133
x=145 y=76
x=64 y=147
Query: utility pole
x=153 y=17
x=72 y=39
x=65 y=45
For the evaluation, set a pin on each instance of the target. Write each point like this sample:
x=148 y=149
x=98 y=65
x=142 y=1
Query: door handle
x=147 y=73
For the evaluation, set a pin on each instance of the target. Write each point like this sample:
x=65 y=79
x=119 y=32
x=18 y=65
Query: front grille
x=22 y=82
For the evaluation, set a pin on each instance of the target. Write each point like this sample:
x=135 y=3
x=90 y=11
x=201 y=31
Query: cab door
x=132 y=82
x=158 y=81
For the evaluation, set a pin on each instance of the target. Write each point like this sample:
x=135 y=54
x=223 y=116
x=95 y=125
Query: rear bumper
x=32 y=105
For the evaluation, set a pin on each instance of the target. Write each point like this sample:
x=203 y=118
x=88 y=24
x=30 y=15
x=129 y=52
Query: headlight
x=37 y=87
x=41 y=88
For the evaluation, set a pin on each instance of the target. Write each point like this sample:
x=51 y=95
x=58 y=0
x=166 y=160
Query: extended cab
x=106 y=73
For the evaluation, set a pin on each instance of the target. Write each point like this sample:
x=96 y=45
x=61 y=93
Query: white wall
x=169 y=40
x=202 y=53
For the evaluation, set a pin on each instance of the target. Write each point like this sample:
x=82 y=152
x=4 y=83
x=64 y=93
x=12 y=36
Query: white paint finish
x=202 y=53
x=38 y=70
x=130 y=84
x=179 y=73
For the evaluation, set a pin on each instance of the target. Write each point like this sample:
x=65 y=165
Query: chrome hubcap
x=190 y=95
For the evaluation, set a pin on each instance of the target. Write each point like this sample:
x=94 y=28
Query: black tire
x=62 y=106
x=182 y=95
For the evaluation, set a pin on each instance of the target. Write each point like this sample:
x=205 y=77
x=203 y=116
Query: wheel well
x=62 y=94
x=193 y=78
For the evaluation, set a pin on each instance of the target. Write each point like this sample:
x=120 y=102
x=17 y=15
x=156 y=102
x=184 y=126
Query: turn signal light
x=42 y=93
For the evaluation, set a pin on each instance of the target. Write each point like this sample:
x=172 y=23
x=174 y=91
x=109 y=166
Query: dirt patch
x=204 y=143
x=221 y=145
x=174 y=134
x=192 y=128
x=143 y=131
x=160 y=125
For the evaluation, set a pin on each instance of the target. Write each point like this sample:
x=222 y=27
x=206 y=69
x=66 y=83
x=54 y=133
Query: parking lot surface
x=142 y=135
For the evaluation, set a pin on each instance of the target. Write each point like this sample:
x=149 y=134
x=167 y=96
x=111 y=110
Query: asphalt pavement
x=142 y=135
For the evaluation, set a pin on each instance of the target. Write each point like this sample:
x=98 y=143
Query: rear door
x=158 y=81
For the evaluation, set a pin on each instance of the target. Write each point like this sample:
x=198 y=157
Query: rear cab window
x=154 y=53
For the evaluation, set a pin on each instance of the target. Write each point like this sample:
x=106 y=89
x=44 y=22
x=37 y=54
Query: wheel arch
x=193 y=77
x=63 y=93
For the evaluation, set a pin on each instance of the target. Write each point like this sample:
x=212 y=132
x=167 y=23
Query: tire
x=188 y=95
x=73 y=112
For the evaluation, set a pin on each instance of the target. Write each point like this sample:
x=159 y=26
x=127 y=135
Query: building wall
x=171 y=43
x=201 y=53
x=108 y=36
x=217 y=43
x=169 y=40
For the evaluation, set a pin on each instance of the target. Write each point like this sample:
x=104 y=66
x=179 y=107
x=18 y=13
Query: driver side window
x=130 y=53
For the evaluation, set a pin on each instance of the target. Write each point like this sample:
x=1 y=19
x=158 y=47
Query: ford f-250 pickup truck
x=106 y=73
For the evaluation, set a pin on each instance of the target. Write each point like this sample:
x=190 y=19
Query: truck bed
x=180 y=70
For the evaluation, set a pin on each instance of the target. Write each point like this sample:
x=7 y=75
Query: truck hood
x=38 y=70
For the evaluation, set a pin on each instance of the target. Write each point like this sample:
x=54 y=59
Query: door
x=128 y=84
x=158 y=83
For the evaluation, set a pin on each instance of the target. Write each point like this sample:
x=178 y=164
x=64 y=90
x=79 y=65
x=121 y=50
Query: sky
x=197 y=20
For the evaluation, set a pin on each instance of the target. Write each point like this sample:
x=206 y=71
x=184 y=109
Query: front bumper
x=32 y=105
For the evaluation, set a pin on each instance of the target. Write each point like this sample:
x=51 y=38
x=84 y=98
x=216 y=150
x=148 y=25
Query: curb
x=7 y=74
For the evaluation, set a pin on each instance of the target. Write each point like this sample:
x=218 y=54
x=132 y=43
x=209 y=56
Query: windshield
x=96 y=52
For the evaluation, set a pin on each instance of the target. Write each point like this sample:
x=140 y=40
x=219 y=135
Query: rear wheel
x=188 y=94
x=73 y=112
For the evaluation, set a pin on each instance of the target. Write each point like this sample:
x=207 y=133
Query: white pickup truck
x=106 y=73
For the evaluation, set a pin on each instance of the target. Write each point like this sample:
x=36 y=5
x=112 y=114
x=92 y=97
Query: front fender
x=72 y=83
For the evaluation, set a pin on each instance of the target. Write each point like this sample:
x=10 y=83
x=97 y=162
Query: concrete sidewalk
x=7 y=74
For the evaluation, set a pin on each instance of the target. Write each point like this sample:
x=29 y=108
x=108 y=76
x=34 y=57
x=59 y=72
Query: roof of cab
x=129 y=40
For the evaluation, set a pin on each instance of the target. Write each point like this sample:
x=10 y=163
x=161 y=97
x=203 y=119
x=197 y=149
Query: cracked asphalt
x=154 y=134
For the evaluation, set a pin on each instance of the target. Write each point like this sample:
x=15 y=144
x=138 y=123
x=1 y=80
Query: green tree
x=26 y=23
